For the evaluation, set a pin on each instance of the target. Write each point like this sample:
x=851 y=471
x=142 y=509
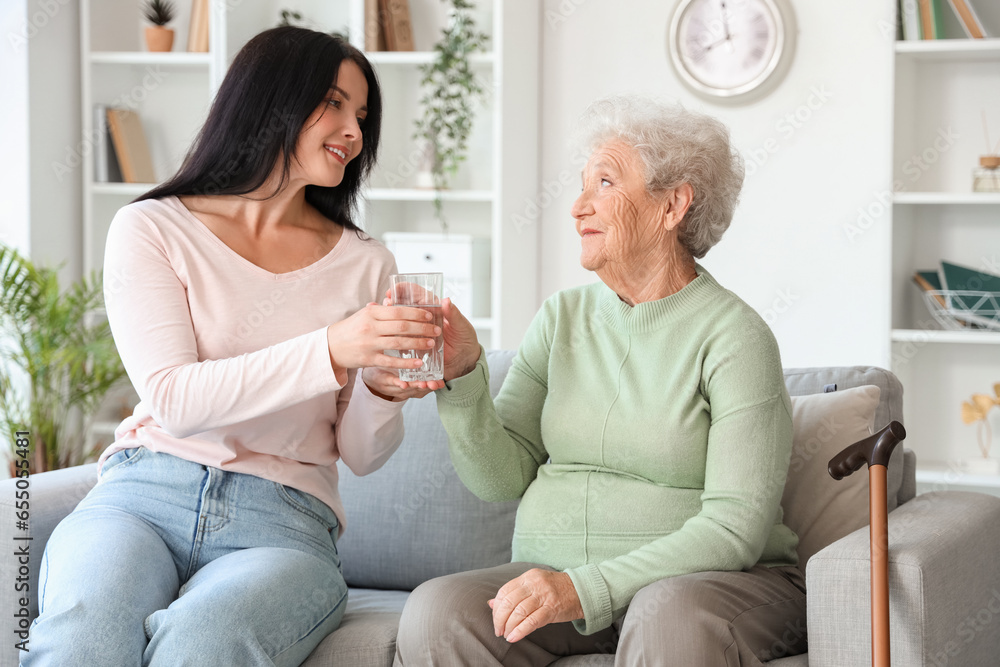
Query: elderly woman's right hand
x=461 y=346
x=360 y=340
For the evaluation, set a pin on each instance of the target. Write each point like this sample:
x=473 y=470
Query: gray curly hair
x=676 y=146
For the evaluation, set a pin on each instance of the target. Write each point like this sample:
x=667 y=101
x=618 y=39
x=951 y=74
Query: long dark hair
x=275 y=82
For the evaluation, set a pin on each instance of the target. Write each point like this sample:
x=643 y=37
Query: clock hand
x=716 y=43
x=725 y=18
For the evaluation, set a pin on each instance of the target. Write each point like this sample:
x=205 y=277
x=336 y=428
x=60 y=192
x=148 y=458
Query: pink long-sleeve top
x=231 y=361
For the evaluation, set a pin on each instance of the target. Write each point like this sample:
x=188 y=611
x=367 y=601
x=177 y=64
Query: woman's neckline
x=335 y=251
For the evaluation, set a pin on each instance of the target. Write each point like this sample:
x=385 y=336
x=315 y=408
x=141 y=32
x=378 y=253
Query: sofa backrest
x=818 y=508
x=413 y=519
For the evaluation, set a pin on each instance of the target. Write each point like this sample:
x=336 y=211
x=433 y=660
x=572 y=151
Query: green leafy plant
x=66 y=360
x=158 y=12
x=289 y=17
x=450 y=92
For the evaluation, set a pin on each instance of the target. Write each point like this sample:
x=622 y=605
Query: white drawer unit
x=463 y=259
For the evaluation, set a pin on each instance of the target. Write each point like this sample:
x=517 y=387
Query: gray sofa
x=413 y=520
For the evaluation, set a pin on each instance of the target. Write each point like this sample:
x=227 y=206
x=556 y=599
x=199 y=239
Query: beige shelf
x=950 y=337
x=939 y=472
x=170 y=58
x=950 y=50
x=419 y=57
x=946 y=198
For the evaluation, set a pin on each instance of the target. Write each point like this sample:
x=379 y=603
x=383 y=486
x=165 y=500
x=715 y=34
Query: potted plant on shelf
x=67 y=361
x=159 y=38
x=450 y=92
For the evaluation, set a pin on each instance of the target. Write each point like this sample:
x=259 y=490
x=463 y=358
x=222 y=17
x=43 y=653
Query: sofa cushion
x=805 y=381
x=413 y=519
x=817 y=507
x=366 y=636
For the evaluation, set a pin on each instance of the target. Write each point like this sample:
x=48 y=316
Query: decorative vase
x=425 y=170
x=159 y=39
x=986 y=178
x=984 y=464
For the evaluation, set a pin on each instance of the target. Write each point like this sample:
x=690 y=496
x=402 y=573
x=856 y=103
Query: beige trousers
x=728 y=619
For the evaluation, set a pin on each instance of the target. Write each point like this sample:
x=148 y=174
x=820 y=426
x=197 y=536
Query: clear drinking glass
x=422 y=290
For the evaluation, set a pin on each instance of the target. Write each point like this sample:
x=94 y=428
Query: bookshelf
x=499 y=179
x=172 y=93
x=941 y=88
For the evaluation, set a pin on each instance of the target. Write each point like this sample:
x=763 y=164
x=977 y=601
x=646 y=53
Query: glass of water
x=421 y=290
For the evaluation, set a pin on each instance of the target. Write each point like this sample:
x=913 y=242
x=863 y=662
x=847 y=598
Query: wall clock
x=731 y=50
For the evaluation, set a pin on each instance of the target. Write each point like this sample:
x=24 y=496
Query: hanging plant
x=450 y=93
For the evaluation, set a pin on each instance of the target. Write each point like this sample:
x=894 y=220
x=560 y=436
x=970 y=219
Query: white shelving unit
x=941 y=89
x=172 y=93
x=500 y=177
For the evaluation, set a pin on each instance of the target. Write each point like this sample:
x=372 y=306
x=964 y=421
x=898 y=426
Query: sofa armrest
x=51 y=496
x=944 y=586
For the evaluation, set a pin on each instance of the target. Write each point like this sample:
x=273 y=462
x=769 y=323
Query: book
x=909 y=13
x=198 y=29
x=967 y=17
x=930 y=281
x=106 y=169
x=396 y=25
x=978 y=294
x=374 y=35
x=930 y=19
x=130 y=145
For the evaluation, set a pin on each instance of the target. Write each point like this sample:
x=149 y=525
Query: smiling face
x=332 y=135
x=619 y=221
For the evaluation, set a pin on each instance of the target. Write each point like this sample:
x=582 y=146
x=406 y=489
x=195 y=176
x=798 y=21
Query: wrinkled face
x=331 y=136
x=616 y=217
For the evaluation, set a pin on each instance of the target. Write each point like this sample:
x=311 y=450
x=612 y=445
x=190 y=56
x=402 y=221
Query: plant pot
x=159 y=39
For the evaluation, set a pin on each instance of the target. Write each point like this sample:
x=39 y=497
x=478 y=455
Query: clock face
x=727 y=48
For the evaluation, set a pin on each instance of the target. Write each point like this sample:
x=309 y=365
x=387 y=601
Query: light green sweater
x=644 y=442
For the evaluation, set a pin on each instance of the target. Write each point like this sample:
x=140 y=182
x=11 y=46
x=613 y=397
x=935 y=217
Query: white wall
x=40 y=200
x=787 y=253
x=55 y=136
x=14 y=200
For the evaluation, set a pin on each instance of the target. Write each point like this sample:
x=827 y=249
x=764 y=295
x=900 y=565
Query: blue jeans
x=168 y=562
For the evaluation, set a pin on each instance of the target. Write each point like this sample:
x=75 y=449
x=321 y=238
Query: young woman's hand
x=360 y=340
x=461 y=346
x=386 y=384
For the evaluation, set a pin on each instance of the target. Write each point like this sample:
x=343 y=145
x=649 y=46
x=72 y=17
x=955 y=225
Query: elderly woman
x=644 y=425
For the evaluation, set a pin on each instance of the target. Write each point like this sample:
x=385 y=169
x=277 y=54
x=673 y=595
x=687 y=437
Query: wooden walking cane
x=875 y=450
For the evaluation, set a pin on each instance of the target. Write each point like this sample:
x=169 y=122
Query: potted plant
x=158 y=37
x=450 y=92
x=67 y=362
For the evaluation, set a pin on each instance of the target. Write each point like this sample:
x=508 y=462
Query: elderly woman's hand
x=536 y=598
x=461 y=346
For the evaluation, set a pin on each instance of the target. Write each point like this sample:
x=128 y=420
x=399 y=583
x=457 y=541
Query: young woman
x=241 y=296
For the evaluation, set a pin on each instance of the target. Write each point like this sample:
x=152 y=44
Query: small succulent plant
x=158 y=12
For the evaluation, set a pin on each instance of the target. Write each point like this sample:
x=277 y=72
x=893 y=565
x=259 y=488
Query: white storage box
x=463 y=259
